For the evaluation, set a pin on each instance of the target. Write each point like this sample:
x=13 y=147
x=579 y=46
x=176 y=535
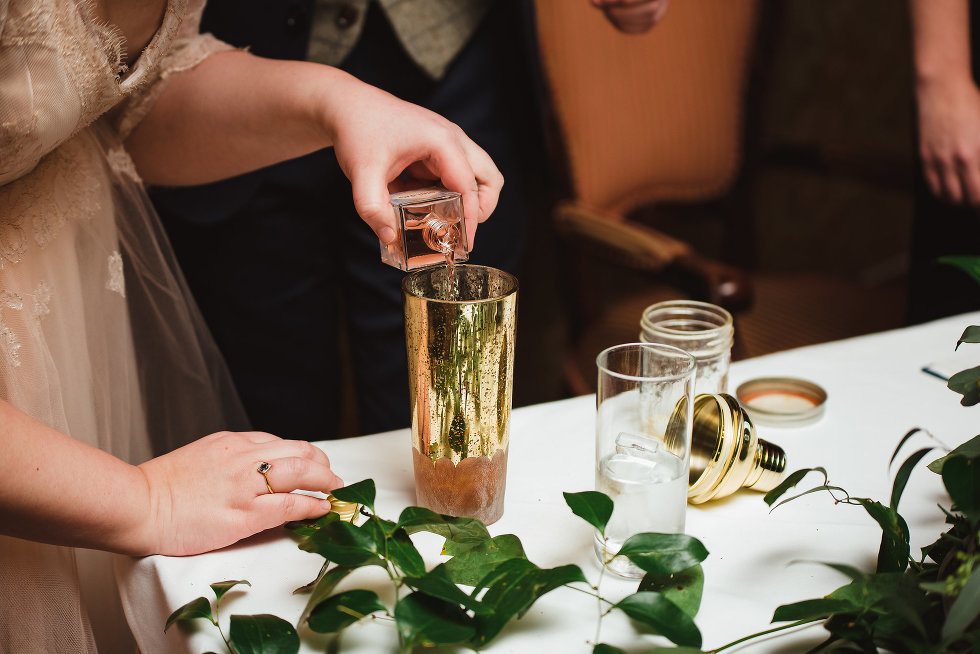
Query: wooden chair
x=646 y=122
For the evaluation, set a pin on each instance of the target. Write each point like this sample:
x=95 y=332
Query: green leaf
x=893 y=553
x=909 y=434
x=309 y=527
x=592 y=506
x=675 y=650
x=662 y=615
x=417 y=518
x=196 y=608
x=437 y=583
x=818 y=489
x=424 y=620
x=969 y=449
x=394 y=544
x=465 y=530
x=306 y=588
x=970 y=335
x=548 y=579
x=602 y=648
x=961 y=476
x=511 y=590
x=344 y=544
x=379 y=529
x=938 y=587
x=851 y=628
x=324 y=589
x=846 y=570
x=902 y=476
x=363 y=492
x=866 y=594
x=457 y=530
x=967 y=384
x=964 y=610
x=663 y=554
x=344 y=609
x=791 y=480
x=262 y=634
x=455 y=548
x=402 y=552
x=899 y=614
x=815 y=609
x=473 y=564
x=968 y=263
x=682 y=588
x=223 y=587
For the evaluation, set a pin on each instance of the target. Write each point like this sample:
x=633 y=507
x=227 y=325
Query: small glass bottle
x=429 y=229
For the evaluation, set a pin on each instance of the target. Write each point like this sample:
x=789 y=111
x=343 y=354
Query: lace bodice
x=60 y=69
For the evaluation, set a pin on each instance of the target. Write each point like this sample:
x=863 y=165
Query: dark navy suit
x=279 y=260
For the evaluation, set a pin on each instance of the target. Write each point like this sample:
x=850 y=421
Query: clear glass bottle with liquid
x=429 y=229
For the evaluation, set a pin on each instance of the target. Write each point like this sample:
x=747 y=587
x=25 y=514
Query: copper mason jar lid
x=782 y=401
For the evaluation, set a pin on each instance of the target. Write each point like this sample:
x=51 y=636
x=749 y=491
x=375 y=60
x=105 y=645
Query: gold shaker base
x=473 y=488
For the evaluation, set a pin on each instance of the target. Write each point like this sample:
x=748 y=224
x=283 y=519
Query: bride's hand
x=380 y=141
x=210 y=493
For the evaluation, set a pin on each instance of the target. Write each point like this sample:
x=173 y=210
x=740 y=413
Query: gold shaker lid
x=346 y=510
x=726 y=454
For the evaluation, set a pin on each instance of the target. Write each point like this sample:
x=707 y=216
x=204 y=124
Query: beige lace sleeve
x=58 y=73
x=188 y=50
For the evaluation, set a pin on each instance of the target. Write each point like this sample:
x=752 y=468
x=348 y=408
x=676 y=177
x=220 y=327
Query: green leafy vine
x=468 y=599
x=924 y=605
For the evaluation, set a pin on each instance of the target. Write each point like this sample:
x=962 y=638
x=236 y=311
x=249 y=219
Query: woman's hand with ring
x=212 y=493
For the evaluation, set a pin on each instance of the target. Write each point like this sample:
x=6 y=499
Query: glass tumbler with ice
x=643 y=437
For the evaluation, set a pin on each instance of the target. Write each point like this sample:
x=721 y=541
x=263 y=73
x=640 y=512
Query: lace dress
x=98 y=336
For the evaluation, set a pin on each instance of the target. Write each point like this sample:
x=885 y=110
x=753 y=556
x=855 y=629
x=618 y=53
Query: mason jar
x=704 y=330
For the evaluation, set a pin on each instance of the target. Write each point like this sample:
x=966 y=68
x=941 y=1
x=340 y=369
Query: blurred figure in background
x=947 y=210
x=278 y=260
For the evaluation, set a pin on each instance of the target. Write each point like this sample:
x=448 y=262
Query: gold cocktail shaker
x=459 y=337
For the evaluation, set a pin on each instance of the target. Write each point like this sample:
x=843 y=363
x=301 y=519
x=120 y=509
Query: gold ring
x=263 y=469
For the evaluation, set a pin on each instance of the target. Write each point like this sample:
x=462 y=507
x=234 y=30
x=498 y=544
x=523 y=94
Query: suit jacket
x=431 y=32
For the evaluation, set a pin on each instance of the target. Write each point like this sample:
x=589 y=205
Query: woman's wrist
x=945 y=85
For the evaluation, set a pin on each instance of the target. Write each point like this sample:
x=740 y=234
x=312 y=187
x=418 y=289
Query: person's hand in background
x=632 y=16
x=947 y=100
x=949 y=139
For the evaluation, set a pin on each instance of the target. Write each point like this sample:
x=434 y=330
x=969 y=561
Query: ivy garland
x=924 y=605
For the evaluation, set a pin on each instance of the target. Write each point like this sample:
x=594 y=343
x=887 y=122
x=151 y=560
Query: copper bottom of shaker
x=474 y=487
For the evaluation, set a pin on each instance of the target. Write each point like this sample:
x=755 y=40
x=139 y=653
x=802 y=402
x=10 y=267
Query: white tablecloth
x=758 y=559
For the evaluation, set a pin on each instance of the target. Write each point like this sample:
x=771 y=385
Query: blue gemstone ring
x=263 y=469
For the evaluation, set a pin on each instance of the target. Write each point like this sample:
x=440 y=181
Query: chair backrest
x=653 y=117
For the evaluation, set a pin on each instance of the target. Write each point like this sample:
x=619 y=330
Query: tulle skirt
x=99 y=339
